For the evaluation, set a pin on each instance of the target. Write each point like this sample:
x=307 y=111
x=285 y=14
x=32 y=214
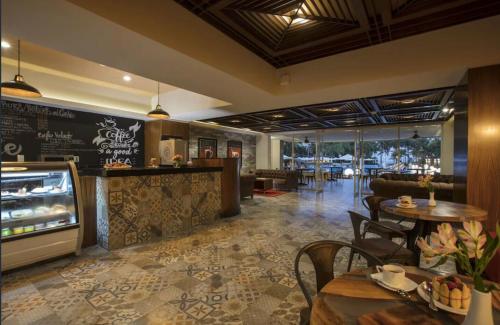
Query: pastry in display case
x=41 y=217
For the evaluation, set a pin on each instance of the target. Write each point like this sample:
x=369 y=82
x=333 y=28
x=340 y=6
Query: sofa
x=283 y=179
x=392 y=185
x=247 y=185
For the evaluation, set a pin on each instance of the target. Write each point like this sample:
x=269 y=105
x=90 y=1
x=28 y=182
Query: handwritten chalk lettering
x=12 y=149
x=115 y=141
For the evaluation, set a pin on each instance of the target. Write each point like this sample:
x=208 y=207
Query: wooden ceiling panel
x=420 y=106
x=285 y=32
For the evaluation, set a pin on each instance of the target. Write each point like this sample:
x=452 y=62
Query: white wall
x=263 y=152
x=275 y=154
x=447 y=147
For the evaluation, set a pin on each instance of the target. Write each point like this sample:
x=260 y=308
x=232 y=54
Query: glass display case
x=39 y=199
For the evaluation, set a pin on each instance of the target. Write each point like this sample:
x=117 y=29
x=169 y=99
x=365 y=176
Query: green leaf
x=441 y=261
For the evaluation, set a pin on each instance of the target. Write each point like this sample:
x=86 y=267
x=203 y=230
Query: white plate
x=411 y=206
x=407 y=285
x=39 y=190
x=21 y=195
x=423 y=294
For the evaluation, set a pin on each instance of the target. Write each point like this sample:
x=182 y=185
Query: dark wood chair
x=393 y=230
x=382 y=248
x=322 y=254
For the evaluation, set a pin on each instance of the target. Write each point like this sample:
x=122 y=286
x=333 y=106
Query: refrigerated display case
x=41 y=214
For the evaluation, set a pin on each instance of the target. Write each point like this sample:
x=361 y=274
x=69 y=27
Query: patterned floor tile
x=237 y=271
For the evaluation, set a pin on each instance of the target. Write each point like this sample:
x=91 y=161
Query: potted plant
x=426 y=181
x=472 y=250
x=177 y=159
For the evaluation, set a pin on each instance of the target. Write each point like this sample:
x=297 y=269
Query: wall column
x=263 y=151
x=447 y=137
x=483 y=165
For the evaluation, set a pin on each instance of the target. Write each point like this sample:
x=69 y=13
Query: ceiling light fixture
x=445 y=110
x=278 y=115
x=408 y=101
x=212 y=122
x=5 y=45
x=415 y=135
x=158 y=112
x=332 y=109
x=18 y=87
x=306 y=140
x=127 y=78
x=235 y=121
x=304 y=125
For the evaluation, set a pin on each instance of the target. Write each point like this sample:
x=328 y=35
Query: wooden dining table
x=427 y=218
x=353 y=298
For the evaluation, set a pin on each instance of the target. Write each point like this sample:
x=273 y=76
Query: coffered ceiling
x=415 y=107
x=285 y=32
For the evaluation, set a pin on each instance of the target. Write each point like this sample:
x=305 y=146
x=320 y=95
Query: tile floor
x=237 y=271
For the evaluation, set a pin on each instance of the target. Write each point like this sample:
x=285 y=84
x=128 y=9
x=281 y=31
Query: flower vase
x=480 y=310
x=432 y=202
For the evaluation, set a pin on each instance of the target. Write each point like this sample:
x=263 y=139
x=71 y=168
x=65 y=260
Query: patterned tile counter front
x=136 y=209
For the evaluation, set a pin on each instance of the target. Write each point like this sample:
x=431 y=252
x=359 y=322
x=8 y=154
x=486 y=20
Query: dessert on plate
x=451 y=291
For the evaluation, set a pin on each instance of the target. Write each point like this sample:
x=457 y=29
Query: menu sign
x=35 y=131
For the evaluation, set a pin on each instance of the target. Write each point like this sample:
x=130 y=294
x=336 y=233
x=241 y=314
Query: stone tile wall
x=136 y=209
x=222 y=136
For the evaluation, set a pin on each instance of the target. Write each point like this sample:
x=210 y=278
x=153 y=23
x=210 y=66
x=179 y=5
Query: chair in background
x=382 y=248
x=247 y=183
x=393 y=230
x=322 y=254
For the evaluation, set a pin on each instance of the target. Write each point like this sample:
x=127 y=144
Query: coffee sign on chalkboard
x=35 y=131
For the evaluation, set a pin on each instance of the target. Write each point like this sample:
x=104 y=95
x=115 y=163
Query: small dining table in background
x=426 y=217
x=353 y=298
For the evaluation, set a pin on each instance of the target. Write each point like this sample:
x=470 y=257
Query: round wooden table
x=426 y=217
x=354 y=298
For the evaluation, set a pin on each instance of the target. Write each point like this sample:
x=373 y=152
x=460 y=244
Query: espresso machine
x=171 y=146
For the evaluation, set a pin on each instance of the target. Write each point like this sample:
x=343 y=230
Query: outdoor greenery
x=412 y=150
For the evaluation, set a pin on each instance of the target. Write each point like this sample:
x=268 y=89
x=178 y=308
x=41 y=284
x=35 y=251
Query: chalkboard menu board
x=35 y=130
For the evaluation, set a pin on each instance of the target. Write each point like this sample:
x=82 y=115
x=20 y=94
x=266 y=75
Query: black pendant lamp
x=158 y=112
x=18 y=87
x=415 y=136
x=306 y=140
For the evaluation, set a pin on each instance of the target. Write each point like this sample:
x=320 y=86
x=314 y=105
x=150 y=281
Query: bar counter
x=137 y=205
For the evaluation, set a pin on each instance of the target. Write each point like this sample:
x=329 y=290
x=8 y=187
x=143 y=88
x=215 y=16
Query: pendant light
x=415 y=136
x=158 y=112
x=18 y=87
x=306 y=140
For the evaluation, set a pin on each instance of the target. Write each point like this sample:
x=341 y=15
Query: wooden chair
x=382 y=248
x=322 y=254
x=392 y=230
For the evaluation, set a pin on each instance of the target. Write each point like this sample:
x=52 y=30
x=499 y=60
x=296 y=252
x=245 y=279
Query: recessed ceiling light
x=304 y=125
x=445 y=110
x=408 y=101
x=267 y=128
x=5 y=45
x=300 y=21
x=334 y=109
x=127 y=78
x=235 y=121
x=278 y=115
x=212 y=122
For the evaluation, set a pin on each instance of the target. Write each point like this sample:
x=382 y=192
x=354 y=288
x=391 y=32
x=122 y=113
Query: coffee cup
x=405 y=200
x=393 y=275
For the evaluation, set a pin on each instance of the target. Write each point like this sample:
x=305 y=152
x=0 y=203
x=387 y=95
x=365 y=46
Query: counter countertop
x=138 y=171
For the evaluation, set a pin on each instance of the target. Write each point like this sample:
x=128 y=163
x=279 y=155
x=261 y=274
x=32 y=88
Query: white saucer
x=411 y=206
x=422 y=293
x=407 y=285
